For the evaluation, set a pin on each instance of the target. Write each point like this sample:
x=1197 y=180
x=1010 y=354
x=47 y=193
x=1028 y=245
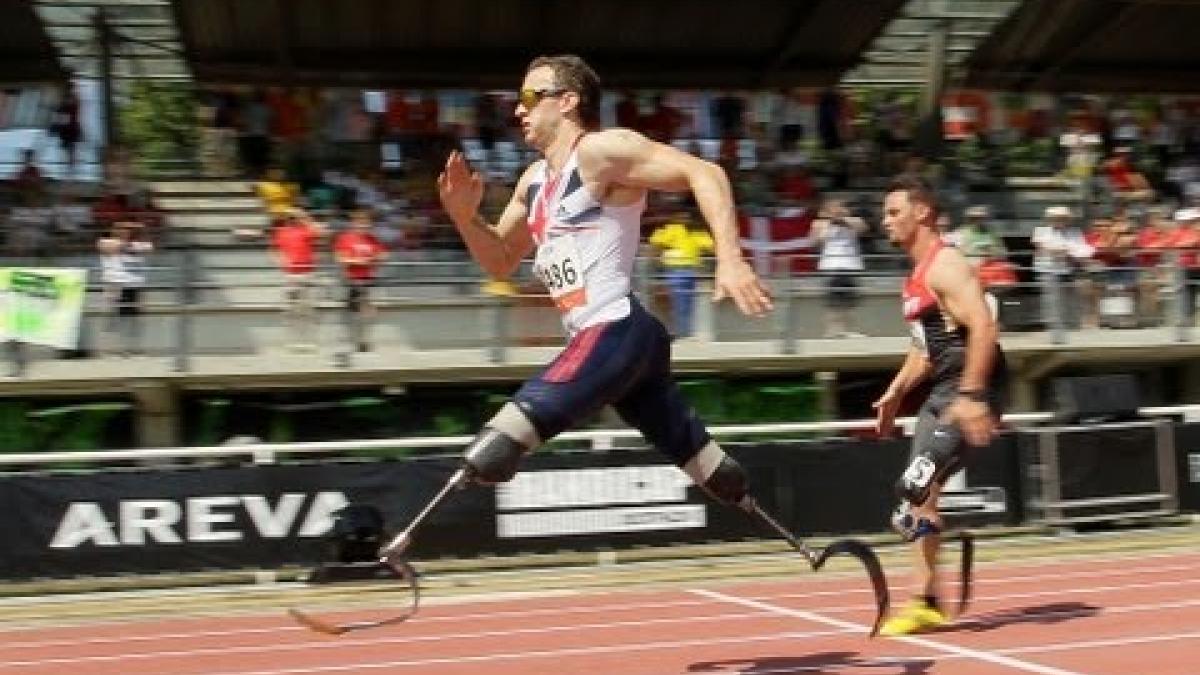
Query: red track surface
x=1104 y=616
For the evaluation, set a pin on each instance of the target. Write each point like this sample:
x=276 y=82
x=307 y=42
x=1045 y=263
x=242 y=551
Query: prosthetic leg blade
x=851 y=547
x=966 y=571
x=397 y=576
x=870 y=561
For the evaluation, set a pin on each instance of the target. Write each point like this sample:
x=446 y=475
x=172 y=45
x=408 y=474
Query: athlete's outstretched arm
x=962 y=298
x=497 y=248
x=628 y=158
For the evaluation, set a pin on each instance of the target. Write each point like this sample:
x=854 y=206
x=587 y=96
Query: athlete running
x=579 y=211
x=954 y=345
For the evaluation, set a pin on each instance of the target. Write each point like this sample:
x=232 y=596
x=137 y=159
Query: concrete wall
x=453 y=320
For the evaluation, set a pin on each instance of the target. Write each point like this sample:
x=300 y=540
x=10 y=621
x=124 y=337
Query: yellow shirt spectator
x=278 y=194
x=680 y=246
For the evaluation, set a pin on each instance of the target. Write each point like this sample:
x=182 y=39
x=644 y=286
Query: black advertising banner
x=1187 y=466
x=271 y=515
x=204 y=518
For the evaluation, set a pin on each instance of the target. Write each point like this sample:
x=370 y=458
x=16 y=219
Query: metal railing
x=600 y=439
x=187 y=302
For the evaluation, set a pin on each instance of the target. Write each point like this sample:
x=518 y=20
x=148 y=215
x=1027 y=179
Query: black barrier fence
x=139 y=521
x=1187 y=454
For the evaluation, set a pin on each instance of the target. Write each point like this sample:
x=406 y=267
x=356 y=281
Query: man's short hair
x=918 y=190
x=574 y=74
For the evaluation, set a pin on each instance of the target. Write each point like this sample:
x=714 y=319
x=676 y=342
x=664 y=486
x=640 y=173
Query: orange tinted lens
x=528 y=97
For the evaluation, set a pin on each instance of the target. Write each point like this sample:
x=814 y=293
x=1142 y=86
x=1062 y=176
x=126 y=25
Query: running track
x=1104 y=614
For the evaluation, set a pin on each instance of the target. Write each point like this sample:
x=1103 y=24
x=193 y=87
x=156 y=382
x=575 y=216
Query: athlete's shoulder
x=609 y=143
x=948 y=257
x=949 y=267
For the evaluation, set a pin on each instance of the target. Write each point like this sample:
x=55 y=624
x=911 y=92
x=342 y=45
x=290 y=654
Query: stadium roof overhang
x=26 y=54
x=472 y=44
x=1093 y=46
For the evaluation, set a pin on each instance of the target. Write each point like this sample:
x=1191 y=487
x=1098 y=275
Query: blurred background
x=233 y=305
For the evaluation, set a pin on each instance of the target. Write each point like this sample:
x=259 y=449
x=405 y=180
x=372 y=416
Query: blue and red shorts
x=626 y=364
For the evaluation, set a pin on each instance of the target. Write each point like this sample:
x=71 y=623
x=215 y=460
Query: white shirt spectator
x=1055 y=247
x=840 y=250
x=124 y=265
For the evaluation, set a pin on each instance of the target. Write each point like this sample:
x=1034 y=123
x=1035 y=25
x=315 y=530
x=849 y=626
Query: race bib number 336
x=559 y=267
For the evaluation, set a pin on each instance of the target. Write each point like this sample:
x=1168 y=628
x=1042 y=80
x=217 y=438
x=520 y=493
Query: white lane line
x=337 y=644
x=574 y=651
x=854 y=627
x=1061 y=592
x=508 y=596
x=1100 y=644
x=935 y=645
x=241 y=590
x=620 y=607
x=902 y=661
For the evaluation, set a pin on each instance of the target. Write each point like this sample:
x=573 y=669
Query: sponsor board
x=568 y=488
x=214 y=518
x=973 y=500
x=600 y=521
x=557 y=502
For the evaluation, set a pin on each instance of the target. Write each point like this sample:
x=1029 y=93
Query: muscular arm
x=962 y=298
x=498 y=248
x=624 y=157
x=916 y=367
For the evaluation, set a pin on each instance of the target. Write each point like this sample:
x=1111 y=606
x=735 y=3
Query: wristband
x=977 y=395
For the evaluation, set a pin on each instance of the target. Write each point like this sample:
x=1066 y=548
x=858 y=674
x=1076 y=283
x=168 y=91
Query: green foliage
x=25 y=427
x=158 y=124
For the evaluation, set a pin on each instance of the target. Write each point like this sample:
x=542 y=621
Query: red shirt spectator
x=1150 y=240
x=663 y=123
x=1100 y=238
x=285 y=114
x=796 y=184
x=395 y=115
x=111 y=208
x=359 y=252
x=627 y=113
x=295 y=240
x=1186 y=240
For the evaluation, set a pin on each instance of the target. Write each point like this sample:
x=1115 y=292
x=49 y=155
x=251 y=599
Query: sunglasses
x=531 y=97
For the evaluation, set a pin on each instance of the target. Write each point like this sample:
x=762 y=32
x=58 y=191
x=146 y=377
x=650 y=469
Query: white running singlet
x=585 y=249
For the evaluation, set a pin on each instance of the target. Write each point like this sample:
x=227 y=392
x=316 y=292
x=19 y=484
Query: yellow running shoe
x=915 y=617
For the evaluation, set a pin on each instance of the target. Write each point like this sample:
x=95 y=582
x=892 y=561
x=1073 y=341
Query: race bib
x=920 y=472
x=918 y=335
x=560 y=268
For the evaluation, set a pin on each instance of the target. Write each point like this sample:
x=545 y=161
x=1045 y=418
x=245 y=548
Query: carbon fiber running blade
x=867 y=557
x=966 y=571
x=397 y=574
x=313 y=623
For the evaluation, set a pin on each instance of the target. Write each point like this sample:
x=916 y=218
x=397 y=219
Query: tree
x=159 y=126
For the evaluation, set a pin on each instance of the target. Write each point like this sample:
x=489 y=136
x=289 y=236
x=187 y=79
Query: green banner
x=42 y=306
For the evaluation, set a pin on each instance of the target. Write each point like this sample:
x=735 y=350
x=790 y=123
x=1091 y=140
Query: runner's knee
x=495 y=454
x=912 y=525
x=718 y=474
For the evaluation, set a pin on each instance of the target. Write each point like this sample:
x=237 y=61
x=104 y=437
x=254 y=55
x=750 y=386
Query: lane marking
x=575 y=651
x=281 y=588
x=937 y=646
x=1099 y=644
x=184 y=635
x=331 y=644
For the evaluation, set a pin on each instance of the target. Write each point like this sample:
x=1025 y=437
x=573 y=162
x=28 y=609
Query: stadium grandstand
x=245 y=344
